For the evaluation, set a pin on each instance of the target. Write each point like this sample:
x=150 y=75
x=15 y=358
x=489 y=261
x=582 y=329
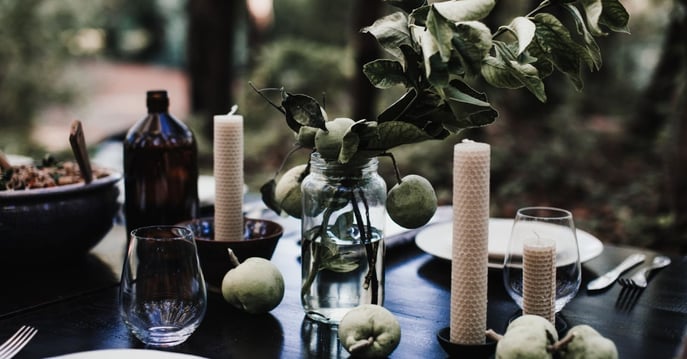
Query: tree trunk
x=212 y=29
x=677 y=165
x=365 y=49
x=654 y=106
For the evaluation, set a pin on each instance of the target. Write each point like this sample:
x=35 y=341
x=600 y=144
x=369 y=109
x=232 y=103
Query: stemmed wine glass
x=551 y=225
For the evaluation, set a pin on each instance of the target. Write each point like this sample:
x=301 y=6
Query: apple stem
x=232 y=258
x=561 y=343
x=393 y=161
x=361 y=344
x=491 y=334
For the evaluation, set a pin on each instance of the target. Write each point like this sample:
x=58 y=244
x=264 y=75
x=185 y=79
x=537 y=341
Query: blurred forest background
x=615 y=153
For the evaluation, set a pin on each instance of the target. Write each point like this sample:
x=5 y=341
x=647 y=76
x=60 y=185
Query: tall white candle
x=469 y=271
x=228 y=172
x=539 y=278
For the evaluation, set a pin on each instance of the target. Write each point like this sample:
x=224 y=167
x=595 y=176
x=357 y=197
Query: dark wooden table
x=74 y=305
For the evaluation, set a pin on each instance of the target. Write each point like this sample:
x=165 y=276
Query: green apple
x=412 y=202
x=369 y=331
x=254 y=286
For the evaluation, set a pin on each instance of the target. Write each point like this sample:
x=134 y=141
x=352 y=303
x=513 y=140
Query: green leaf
x=304 y=110
x=614 y=16
x=556 y=45
x=413 y=65
x=384 y=73
x=391 y=32
x=469 y=107
x=472 y=40
x=349 y=144
x=523 y=29
x=398 y=108
x=396 y=133
x=407 y=5
x=442 y=31
x=436 y=71
x=504 y=71
x=341 y=226
x=464 y=10
x=593 y=9
x=592 y=47
x=339 y=263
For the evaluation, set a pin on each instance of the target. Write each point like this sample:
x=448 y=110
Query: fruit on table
x=287 y=192
x=527 y=337
x=369 y=331
x=412 y=202
x=306 y=136
x=587 y=343
x=254 y=286
x=328 y=143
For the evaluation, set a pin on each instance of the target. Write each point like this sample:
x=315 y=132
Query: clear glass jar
x=342 y=231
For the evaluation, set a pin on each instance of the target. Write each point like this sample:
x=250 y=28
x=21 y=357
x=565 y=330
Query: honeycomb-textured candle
x=228 y=172
x=471 y=161
x=539 y=278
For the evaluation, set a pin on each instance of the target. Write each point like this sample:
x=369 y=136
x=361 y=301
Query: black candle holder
x=476 y=351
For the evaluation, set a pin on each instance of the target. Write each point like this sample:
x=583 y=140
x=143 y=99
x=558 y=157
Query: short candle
x=469 y=265
x=228 y=172
x=539 y=278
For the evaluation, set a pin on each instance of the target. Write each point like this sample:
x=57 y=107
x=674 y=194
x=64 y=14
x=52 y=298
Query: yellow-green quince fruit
x=527 y=337
x=587 y=343
x=254 y=286
x=412 y=202
x=369 y=331
x=288 y=192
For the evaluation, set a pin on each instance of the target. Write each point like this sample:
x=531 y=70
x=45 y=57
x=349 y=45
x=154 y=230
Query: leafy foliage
x=438 y=50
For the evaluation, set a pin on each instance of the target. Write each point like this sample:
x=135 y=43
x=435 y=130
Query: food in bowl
x=49 y=174
x=41 y=224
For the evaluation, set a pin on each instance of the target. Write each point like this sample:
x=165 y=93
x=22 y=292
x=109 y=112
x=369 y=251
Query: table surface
x=74 y=305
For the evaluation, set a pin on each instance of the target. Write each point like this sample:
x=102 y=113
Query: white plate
x=127 y=353
x=436 y=240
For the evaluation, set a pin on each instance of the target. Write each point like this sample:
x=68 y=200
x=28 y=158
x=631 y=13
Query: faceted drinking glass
x=544 y=224
x=162 y=294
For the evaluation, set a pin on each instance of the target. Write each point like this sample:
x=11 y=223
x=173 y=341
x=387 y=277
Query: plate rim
x=422 y=238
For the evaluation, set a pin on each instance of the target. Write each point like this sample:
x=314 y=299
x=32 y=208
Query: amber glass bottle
x=160 y=168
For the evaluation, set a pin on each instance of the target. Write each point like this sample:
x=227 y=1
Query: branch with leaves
x=437 y=50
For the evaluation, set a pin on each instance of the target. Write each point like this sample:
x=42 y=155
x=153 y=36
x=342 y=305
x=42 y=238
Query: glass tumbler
x=162 y=293
x=544 y=225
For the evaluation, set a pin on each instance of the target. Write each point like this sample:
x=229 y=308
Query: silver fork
x=17 y=342
x=640 y=279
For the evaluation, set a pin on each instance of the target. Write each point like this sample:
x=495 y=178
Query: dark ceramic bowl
x=58 y=222
x=260 y=239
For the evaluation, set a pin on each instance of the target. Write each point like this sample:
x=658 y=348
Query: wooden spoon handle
x=78 y=143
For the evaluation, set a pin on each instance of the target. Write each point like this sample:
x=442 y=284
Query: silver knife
x=610 y=277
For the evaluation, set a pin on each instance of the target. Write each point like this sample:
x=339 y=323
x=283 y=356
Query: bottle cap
x=157 y=101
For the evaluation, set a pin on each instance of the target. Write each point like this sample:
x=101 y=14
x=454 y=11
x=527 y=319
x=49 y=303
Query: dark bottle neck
x=157 y=101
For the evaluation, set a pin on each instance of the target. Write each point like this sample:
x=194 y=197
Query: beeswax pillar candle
x=471 y=162
x=539 y=278
x=228 y=172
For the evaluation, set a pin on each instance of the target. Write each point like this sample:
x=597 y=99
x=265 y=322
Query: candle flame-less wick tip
x=466 y=140
x=233 y=110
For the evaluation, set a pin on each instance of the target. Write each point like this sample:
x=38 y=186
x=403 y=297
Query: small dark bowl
x=260 y=239
x=49 y=224
x=454 y=350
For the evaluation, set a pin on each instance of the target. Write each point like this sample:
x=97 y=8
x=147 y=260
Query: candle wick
x=465 y=140
x=233 y=110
